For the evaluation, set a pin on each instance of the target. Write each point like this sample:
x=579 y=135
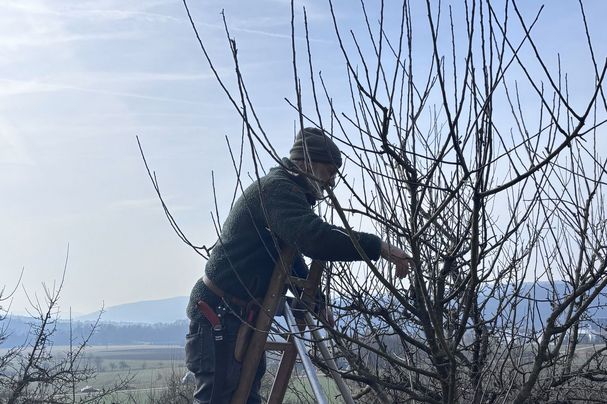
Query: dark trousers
x=200 y=360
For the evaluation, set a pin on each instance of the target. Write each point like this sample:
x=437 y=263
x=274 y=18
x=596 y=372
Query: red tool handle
x=209 y=314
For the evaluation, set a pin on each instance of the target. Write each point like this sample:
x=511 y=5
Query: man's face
x=325 y=172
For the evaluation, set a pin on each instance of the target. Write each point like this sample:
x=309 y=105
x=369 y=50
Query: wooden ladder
x=294 y=344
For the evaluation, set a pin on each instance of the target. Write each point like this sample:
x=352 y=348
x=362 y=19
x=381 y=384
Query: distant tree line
x=104 y=333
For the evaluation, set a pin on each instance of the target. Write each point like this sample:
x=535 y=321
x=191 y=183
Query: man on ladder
x=273 y=213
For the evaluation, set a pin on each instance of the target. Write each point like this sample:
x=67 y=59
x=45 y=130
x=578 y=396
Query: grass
x=148 y=366
x=300 y=391
x=151 y=368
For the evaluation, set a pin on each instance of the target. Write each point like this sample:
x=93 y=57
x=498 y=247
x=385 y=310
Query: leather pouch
x=242 y=341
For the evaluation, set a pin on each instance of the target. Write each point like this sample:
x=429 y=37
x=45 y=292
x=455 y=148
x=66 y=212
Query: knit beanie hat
x=319 y=147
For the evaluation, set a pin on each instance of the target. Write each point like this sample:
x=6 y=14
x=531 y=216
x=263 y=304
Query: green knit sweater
x=274 y=211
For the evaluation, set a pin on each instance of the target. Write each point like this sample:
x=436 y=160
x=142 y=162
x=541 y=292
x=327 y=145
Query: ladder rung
x=302 y=283
x=277 y=345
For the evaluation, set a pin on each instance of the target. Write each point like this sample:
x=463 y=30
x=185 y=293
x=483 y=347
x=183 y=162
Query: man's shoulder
x=280 y=182
x=275 y=181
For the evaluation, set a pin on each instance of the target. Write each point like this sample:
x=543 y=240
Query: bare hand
x=401 y=260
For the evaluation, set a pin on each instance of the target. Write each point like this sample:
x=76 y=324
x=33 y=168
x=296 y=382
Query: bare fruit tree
x=37 y=371
x=473 y=152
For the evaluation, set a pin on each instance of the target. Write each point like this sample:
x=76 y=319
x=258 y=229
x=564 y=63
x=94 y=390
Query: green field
x=156 y=370
x=145 y=372
x=148 y=366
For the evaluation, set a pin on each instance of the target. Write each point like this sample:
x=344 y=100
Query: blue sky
x=80 y=79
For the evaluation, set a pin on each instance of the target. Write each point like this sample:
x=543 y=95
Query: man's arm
x=290 y=217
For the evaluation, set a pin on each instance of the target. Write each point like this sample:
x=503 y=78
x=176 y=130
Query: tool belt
x=231 y=300
x=215 y=317
x=246 y=311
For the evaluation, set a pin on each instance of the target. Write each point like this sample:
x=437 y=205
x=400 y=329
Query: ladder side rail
x=328 y=358
x=309 y=367
x=289 y=356
x=285 y=368
x=265 y=317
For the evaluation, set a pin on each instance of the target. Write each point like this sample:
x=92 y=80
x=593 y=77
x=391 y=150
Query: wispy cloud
x=145 y=203
x=145 y=76
x=312 y=9
x=234 y=27
x=277 y=35
x=44 y=39
x=13 y=149
x=15 y=87
x=148 y=203
x=26 y=23
x=122 y=15
x=92 y=10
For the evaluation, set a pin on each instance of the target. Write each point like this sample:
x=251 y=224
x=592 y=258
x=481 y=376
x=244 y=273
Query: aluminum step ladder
x=294 y=345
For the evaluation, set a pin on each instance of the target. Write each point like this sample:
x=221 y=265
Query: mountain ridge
x=155 y=311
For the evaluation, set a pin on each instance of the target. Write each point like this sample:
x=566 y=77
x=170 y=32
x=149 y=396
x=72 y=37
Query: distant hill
x=535 y=301
x=164 y=321
x=21 y=332
x=147 y=322
x=149 y=312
